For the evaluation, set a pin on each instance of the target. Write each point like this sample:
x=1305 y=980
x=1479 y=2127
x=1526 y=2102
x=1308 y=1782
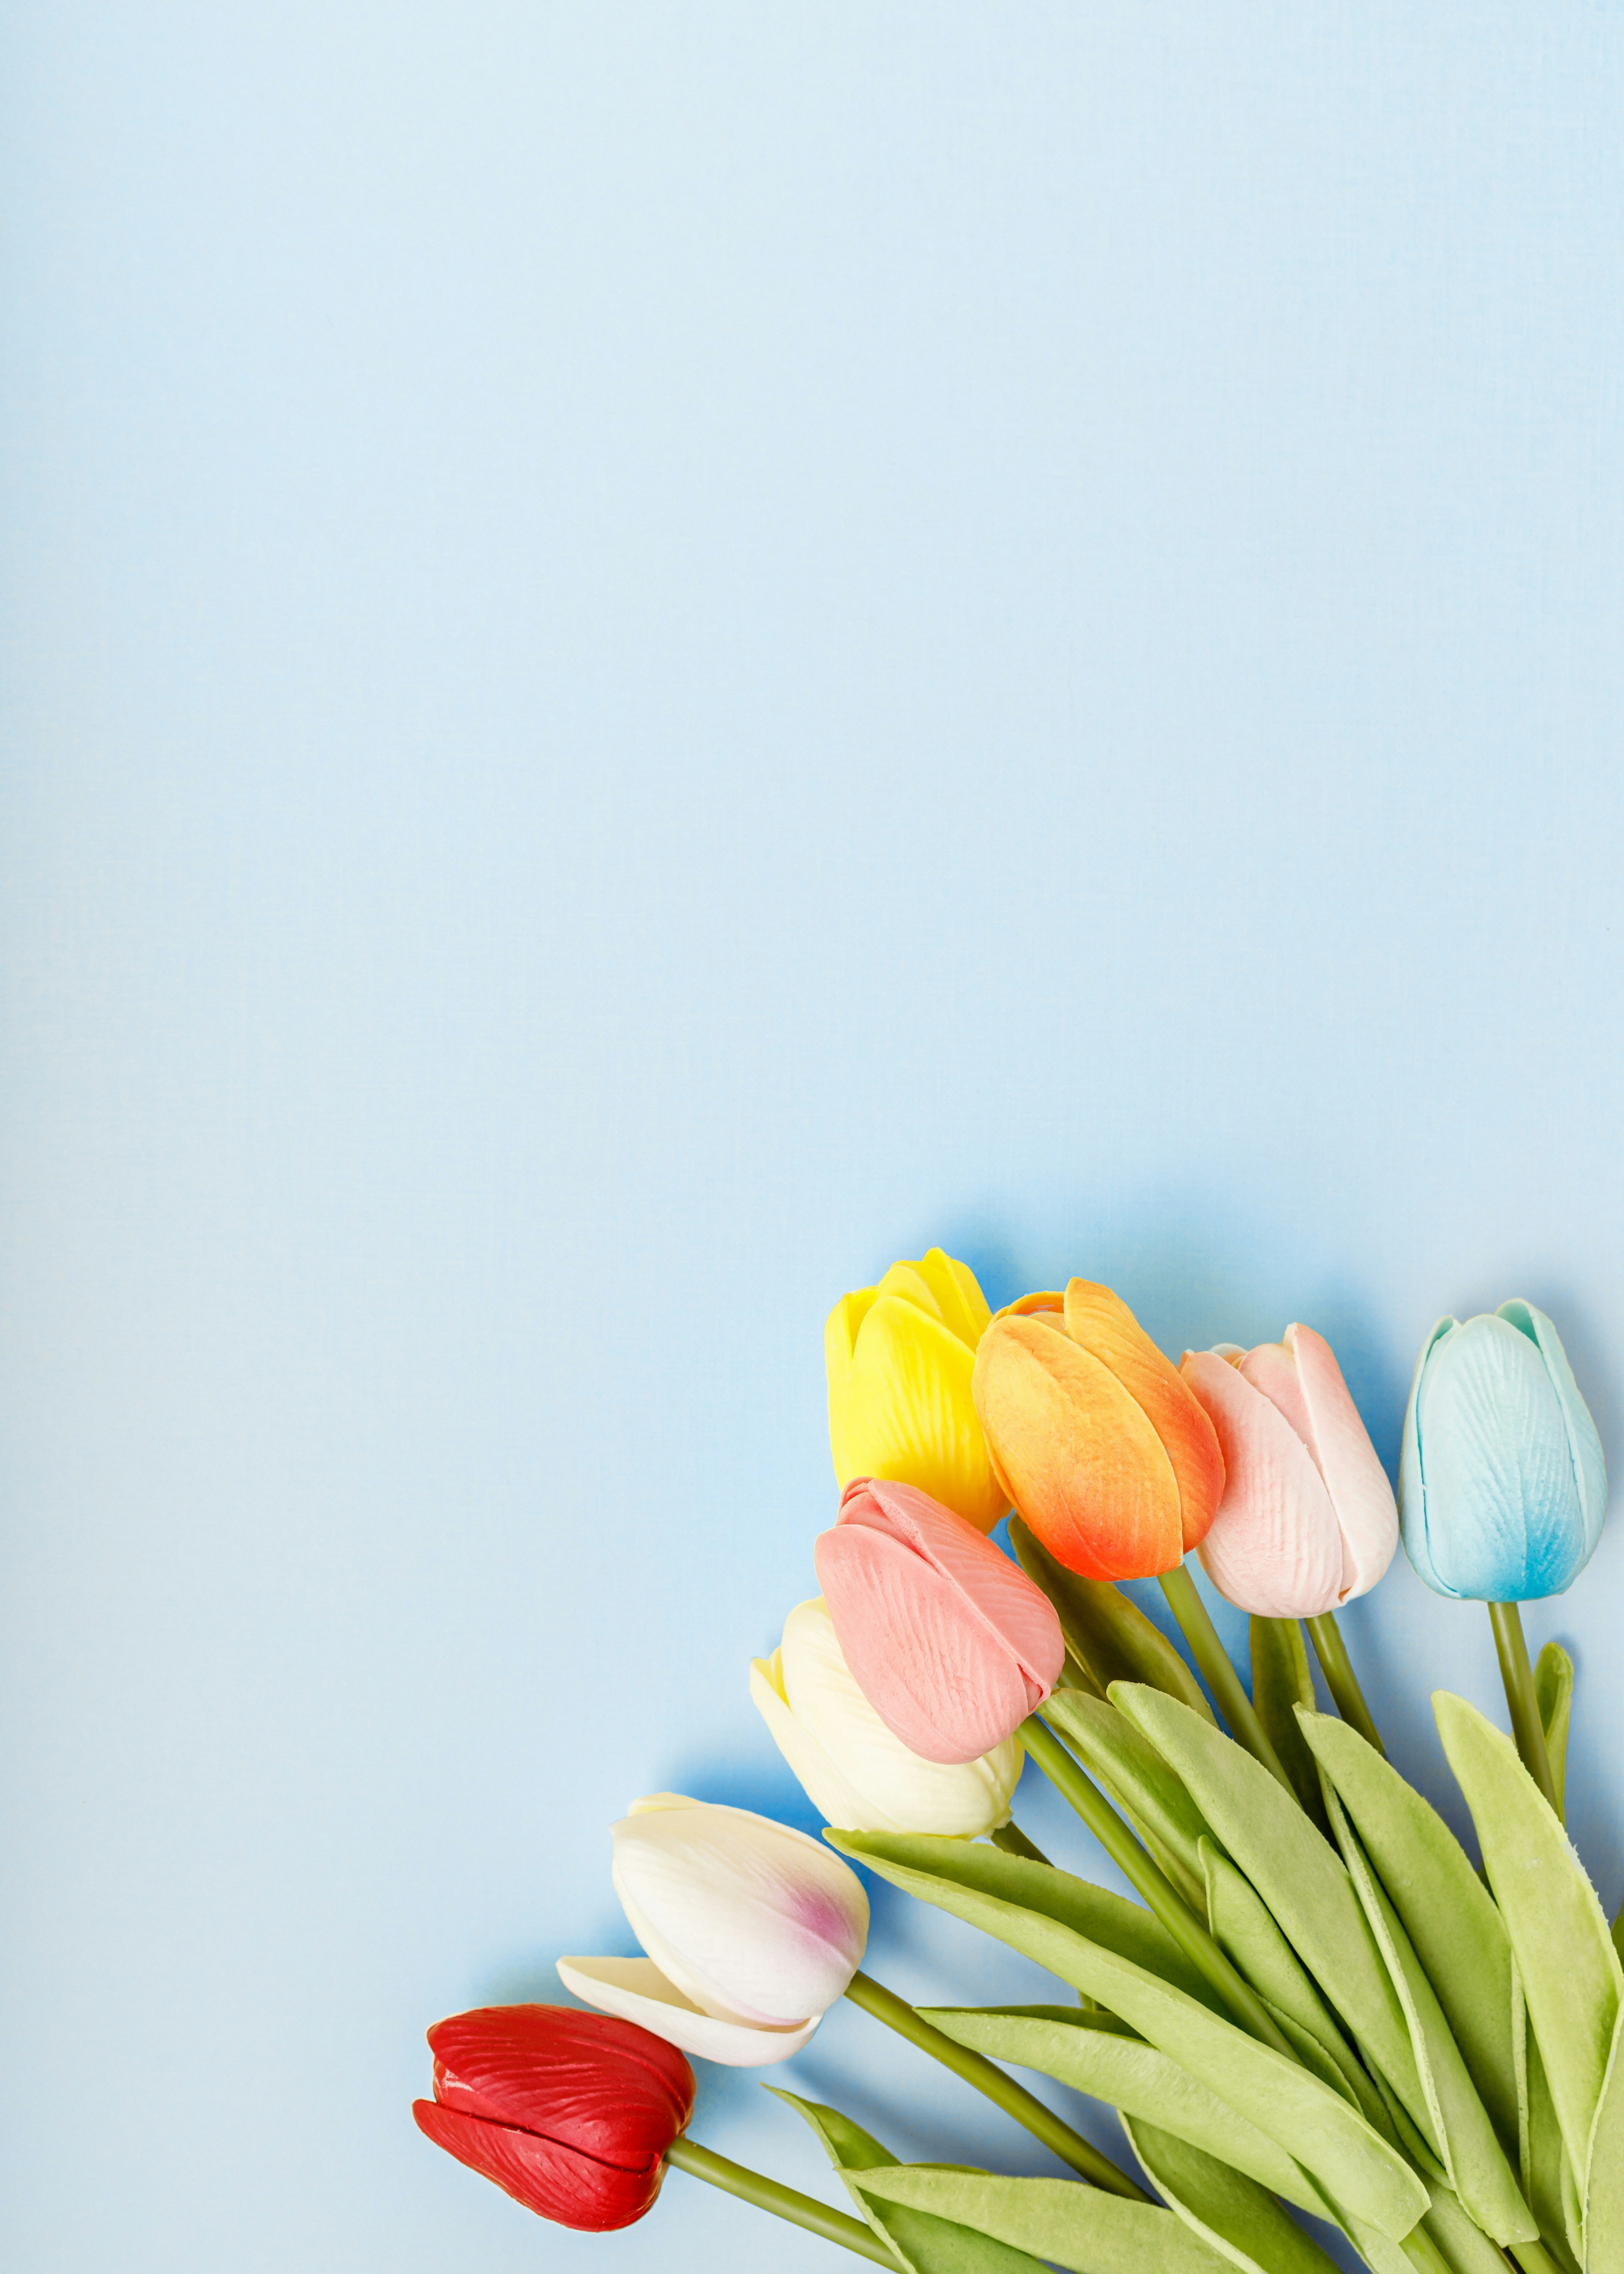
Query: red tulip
x=571 y=2113
x=949 y=1642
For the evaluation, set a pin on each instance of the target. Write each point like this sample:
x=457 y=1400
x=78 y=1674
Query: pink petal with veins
x=1274 y=1547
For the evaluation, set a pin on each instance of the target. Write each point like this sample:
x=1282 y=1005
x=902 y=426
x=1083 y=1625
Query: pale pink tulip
x=949 y=1641
x=1307 y=1520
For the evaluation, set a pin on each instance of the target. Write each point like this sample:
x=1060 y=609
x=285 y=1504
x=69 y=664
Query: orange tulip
x=1100 y=1445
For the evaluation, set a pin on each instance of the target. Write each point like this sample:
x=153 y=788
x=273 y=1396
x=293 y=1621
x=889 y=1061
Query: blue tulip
x=1502 y=1486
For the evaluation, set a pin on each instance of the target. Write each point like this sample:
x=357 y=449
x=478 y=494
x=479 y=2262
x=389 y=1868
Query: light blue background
x=654 y=654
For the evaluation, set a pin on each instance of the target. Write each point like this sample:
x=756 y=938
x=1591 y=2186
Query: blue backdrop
x=656 y=653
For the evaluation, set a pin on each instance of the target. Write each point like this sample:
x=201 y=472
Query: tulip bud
x=1502 y=1484
x=572 y=2113
x=1103 y=1449
x=949 y=1642
x=855 y=1771
x=899 y=1357
x=1307 y=1518
x=752 y=1931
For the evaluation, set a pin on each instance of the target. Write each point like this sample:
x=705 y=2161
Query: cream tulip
x=861 y=1777
x=752 y=1932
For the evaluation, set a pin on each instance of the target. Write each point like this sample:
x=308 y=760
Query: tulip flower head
x=1502 y=1483
x=1101 y=1446
x=949 y=1642
x=855 y=1771
x=752 y=1931
x=900 y=1358
x=1307 y=1518
x=572 y=2113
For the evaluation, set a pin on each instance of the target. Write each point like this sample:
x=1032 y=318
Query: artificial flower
x=861 y=1777
x=752 y=1931
x=900 y=1358
x=949 y=1642
x=1502 y=1484
x=1102 y=1447
x=1307 y=1520
x=572 y=2113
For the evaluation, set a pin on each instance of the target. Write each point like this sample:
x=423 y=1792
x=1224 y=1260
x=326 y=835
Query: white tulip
x=854 y=1771
x=752 y=1931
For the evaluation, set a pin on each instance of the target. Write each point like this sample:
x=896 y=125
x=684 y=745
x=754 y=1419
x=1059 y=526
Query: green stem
x=1014 y=1842
x=1151 y=1882
x=769 y=2194
x=1083 y=2157
x=1517 y=1675
x=1340 y=1680
x=1226 y=1685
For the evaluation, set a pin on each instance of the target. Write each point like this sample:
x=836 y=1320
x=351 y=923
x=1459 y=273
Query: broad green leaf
x=1239 y=2219
x=1110 y=1920
x=1466 y=2249
x=1110 y=1637
x=1351 y=2164
x=1281 y=1682
x=1553 y=1681
x=1141 y=2083
x=1138 y=1779
x=1448 y=1914
x=1473 y=2160
x=924 y=2245
x=1568 y=1967
x=1543 y=2160
x=1604 y=2208
x=1073 y=2226
x=1245 y=1929
x=1090 y=2016
x=1298 y=1873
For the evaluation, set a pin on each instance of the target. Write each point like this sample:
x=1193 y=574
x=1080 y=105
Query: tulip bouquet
x=1319 y=2002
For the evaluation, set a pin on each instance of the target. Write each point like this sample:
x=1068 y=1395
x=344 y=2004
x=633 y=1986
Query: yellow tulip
x=901 y=1357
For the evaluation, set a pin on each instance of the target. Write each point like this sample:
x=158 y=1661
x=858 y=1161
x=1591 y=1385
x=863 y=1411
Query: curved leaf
x=1569 y=1968
x=1281 y=1682
x=1604 y=2207
x=1239 y=2219
x=1353 y=2165
x=1138 y=1779
x=1553 y=1681
x=1074 y=2226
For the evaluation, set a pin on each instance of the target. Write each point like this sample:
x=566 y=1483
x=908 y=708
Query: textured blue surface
x=655 y=654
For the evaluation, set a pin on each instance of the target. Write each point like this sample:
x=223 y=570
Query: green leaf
x=1071 y=2017
x=1075 y=2226
x=1108 y=1919
x=924 y=2245
x=1245 y=1930
x=1239 y=2219
x=1141 y=2083
x=1543 y=2161
x=1300 y=1876
x=1568 y=1967
x=1604 y=2207
x=1466 y=2249
x=1448 y=1914
x=1110 y=1638
x=1138 y=1779
x=1553 y=1681
x=1352 y=2164
x=1280 y=1681
x=1473 y=2158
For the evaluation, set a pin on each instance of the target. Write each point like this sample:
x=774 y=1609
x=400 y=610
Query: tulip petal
x=1583 y=1443
x=753 y=1922
x=636 y=1990
x=846 y=1757
x=1088 y=1472
x=1365 y=1509
x=589 y=2083
x=959 y=1301
x=941 y=1678
x=909 y=1414
x=1500 y=1500
x=1099 y=1321
x=559 y=2183
x=840 y=1332
x=1411 y=1488
x=1274 y=1548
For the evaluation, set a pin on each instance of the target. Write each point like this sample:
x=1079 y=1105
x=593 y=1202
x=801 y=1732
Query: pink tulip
x=949 y=1641
x=1307 y=1520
